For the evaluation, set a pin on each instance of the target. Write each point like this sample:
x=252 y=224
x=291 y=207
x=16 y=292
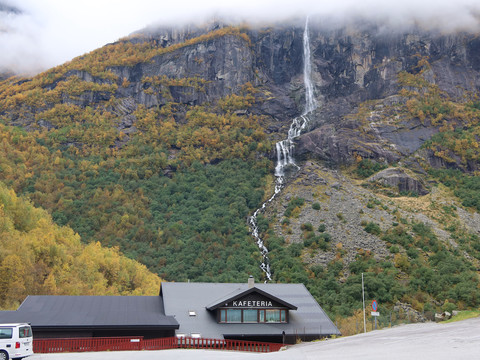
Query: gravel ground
x=459 y=340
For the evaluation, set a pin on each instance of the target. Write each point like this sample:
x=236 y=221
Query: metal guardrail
x=139 y=343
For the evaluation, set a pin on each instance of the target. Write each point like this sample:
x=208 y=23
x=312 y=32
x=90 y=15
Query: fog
x=38 y=34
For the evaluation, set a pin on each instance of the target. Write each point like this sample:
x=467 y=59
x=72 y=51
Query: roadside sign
x=375 y=313
x=374 y=305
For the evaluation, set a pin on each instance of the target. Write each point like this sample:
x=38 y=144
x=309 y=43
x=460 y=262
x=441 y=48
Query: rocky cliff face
x=351 y=67
x=355 y=67
x=362 y=76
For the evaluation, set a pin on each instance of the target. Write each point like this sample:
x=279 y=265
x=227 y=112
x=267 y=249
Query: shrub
x=307 y=227
x=320 y=241
x=326 y=237
x=394 y=249
x=373 y=228
x=316 y=206
x=295 y=249
x=412 y=252
x=367 y=168
x=448 y=306
x=295 y=203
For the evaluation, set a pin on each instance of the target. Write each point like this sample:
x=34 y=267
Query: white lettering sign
x=252 y=303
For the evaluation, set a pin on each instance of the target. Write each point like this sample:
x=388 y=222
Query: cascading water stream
x=285 y=148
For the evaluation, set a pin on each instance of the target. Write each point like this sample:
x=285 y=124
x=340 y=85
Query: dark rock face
x=398 y=178
x=226 y=62
x=356 y=66
x=338 y=146
x=351 y=65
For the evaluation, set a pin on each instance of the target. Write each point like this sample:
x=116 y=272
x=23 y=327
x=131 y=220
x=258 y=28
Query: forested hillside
x=163 y=143
x=40 y=257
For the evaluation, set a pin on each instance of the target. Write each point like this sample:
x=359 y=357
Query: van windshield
x=25 y=331
x=6 y=333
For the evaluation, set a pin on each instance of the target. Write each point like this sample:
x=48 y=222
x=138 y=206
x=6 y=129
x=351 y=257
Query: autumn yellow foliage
x=38 y=257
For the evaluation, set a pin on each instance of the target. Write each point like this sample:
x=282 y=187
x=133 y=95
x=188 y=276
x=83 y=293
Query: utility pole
x=363 y=296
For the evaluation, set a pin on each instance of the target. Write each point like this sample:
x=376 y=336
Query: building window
x=272 y=315
x=253 y=315
x=234 y=316
x=250 y=315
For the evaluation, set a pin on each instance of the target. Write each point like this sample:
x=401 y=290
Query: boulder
x=341 y=145
x=400 y=179
x=443 y=316
x=409 y=312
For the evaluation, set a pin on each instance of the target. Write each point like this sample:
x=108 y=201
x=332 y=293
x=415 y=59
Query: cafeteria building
x=244 y=311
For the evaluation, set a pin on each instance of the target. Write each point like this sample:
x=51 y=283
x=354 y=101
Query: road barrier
x=139 y=343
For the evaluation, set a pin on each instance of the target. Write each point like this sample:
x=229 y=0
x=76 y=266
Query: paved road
x=455 y=341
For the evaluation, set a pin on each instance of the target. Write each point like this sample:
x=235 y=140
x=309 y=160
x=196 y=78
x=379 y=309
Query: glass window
x=272 y=315
x=262 y=315
x=234 y=315
x=250 y=315
x=25 y=331
x=6 y=333
x=253 y=315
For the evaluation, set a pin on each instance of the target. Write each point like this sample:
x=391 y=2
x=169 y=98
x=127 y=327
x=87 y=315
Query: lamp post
x=363 y=297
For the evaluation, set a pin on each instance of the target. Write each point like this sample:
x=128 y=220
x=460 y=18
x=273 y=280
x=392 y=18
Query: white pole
x=364 y=321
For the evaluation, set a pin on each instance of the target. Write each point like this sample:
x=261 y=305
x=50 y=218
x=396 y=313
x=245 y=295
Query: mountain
x=163 y=144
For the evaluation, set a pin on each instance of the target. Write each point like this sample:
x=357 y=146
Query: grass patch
x=463 y=315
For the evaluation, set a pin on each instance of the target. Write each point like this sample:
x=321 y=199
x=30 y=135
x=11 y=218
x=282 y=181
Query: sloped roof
x=239 y=293
x=91 y=311
x=182 y=298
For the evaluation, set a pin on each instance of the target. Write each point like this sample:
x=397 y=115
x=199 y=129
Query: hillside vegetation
x=172 y=194
x=39 y=257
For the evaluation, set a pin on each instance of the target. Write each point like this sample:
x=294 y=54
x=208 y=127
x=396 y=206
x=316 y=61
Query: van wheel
x=3 y=355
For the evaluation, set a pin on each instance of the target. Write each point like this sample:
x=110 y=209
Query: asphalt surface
x=454 y=341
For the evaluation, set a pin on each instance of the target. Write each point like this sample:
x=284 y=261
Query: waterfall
x=284 y=148
x=310 y=102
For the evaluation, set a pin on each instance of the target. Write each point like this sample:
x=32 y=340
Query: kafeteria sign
x=254 y=300
x=252 y=303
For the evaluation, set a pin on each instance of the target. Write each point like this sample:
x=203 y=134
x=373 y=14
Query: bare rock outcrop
x=400 y=179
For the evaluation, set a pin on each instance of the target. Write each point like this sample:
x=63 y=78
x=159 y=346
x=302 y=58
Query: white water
x=285 y=148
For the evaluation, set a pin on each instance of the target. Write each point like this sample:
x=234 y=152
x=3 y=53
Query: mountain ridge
x=162 y=144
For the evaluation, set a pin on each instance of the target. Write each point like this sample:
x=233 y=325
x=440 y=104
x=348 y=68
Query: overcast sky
x=50 y=32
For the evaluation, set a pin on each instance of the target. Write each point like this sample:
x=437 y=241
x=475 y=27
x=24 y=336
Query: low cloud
x=45 y=33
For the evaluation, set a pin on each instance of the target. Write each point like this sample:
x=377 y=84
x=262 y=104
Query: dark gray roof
x=180 y=298
x=242 y=292
x=91 y=311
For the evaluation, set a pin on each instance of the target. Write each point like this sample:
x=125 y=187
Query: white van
x=16 y=341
